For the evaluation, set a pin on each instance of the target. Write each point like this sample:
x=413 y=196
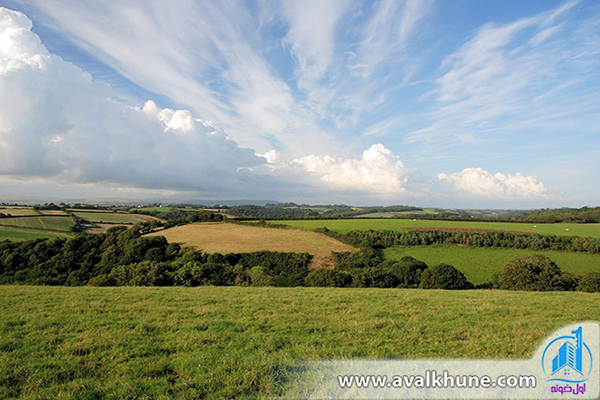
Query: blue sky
x=458 y=104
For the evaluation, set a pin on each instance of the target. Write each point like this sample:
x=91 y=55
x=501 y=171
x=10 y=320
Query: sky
x=467 y=104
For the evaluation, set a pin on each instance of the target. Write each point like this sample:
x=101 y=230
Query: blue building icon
x=569 y=355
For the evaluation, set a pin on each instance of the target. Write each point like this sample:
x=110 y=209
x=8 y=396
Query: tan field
x=231 y=238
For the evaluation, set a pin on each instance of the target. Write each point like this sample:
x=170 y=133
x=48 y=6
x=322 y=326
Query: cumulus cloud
x=481 y=183
x=57 y=123
x=378 y=171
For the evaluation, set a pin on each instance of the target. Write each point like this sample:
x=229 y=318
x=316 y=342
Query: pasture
x=347 y=225
x=226 y=342
x=113 y=218
x=235 y=238
x=16 y=234
x=18 y=211
x=480 y=264
x=49 y=222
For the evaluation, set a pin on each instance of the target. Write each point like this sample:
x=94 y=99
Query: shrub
x=444 y=276
x=530 y=272
x=196 y=274
x=259 y=277
x=328 y=277
x=565 y=281
x=408 y=271
x=590 y=282
x=101 y=280
x=375 y=277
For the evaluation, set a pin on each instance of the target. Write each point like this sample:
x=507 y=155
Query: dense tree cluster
x=535 y=272
x=384 y=239
x=579 y=215
x=176 y=217
x=303 y=211
x=272 y=211
x=124 y=257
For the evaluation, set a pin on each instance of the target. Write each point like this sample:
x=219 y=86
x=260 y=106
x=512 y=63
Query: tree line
x=384 y=239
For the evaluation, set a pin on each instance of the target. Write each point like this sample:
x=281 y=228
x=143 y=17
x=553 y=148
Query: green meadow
x=480 y=264
x=224 y=342
x=52 y=223
x=17 y=234
x=108 y=217
x=347 y=225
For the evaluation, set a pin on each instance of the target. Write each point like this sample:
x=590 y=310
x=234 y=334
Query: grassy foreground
x=216 y=342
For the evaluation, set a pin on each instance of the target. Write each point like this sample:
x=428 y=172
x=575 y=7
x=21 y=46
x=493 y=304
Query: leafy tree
x=258 y=276
x=408 y=271
x=590 y=282
x=328 y=278
x=530 y=272
x=444 y=276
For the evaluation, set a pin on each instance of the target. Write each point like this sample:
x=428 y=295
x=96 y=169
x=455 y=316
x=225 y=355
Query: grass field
x=18 y=211
x=53 y=223
x=233 y=238
x=480 y=264
x=113 y=218
x=19 y=234
x=164 y=209
x=52 y=212
x=226 y=342
x=347 y=225
x=76 y=210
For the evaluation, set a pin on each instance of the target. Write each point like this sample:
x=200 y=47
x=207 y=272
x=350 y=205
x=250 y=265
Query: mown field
x=233 y=238
x=17 y=211
x=226 y=342
x=347 y=225
x=52 y=223
x=480 y=264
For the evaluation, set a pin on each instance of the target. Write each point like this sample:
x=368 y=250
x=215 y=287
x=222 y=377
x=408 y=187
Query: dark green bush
x=530 y=272
x=589 y=282
x=328 y=278
x=408 y=271
x=375 y=277
x=444 y=276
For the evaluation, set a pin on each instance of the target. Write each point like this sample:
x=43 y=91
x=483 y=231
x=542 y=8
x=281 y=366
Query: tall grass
x=223 y=342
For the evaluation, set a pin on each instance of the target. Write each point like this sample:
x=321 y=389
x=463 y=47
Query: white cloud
x=378 y=171
x=480 y=183
x=56 y=123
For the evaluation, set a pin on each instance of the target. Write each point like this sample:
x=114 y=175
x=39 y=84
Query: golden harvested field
x=232 y=238
x=18 y=211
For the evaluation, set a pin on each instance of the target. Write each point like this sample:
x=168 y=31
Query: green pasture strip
x=480 y=264
x=77 y=210
x=20 y=234
x=47 y=222
x=112 y=218
x=231 y=342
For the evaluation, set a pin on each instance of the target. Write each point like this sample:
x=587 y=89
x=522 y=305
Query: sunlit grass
x=480 y=264
x=229 y=342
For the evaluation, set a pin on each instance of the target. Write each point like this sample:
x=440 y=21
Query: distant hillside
x=581 y=215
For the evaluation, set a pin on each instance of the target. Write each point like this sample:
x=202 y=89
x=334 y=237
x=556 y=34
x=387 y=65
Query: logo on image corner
x=567 y=359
